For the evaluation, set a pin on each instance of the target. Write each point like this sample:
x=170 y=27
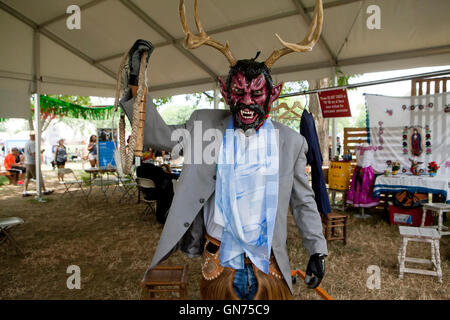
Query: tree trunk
x=322 y=124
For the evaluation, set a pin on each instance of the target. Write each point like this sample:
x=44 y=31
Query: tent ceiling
x=84 y=62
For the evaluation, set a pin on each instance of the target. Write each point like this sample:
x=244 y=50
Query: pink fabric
x=361 y=188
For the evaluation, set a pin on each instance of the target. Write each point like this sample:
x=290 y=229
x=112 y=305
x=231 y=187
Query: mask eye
x=238 y=91
x=257 y=92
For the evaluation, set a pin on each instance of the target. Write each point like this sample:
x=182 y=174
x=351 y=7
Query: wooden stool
x=441 y=209
x=427 y=235
x=161 y=281
x=333 y=221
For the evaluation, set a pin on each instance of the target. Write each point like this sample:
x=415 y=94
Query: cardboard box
x=409 y=217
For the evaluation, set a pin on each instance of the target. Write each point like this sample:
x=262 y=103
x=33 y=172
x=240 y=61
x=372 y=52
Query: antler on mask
x=306 y=44
x=194 y=41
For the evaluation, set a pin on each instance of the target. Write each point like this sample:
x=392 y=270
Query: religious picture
x=416 y=141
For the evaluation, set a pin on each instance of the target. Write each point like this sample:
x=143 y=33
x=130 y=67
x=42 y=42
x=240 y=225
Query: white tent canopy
x=414 y=33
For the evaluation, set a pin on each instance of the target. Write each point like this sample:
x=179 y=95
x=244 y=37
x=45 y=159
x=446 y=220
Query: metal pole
x=37 y=113
x=216 y=96
x=371 y=83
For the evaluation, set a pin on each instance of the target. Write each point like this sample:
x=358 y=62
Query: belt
x=214 y=245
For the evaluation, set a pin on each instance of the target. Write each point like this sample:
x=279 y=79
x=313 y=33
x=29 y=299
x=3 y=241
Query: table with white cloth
x=423 y=184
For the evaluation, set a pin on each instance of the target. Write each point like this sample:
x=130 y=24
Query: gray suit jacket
x=184 y=228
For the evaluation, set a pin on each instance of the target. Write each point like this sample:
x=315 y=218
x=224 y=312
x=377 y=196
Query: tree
x=177 y=114
x=47 y=117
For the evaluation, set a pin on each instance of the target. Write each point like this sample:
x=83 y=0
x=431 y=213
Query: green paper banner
x=66 y=109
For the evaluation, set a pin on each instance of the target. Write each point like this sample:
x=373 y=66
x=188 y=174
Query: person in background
x=60 y=158
x=92 y=148
x=30 y=165
x=14 y=166
x=338 y=146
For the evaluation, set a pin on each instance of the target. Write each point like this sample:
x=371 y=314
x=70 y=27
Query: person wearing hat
x=30 y=164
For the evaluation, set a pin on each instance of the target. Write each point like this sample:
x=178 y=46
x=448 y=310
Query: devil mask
x=249 y=92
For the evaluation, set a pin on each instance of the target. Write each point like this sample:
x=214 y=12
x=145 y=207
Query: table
x=103 y=183
x=423 y=184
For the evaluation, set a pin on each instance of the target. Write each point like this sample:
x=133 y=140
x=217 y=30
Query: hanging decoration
x=54 y=107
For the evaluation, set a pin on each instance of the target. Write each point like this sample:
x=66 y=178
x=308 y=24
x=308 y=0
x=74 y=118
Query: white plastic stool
x=427 y=235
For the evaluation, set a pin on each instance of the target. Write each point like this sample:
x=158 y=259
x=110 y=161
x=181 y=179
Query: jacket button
x=186 y=224
x=202 y=200
x=214 y=177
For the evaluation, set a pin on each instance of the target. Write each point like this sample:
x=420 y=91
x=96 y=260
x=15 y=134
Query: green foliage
x=162 y=101
x=295 y=86
x=79 y=100
x=177 y=114
x=201 y=98
x=3 y=180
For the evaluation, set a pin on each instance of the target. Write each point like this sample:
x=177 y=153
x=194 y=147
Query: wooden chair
x=166 y=283
x=332 y=223
x=427 y=235
x=353 y=137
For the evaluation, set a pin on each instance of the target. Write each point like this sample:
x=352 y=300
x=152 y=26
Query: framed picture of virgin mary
x=416 y=144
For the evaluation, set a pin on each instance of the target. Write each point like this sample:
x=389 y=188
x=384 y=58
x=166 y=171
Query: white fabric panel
x=16 y=41
x=388 y=117
x=14 y=99
x=42 y=10
x=405 y=25
x=61 y=63
x=109 y=29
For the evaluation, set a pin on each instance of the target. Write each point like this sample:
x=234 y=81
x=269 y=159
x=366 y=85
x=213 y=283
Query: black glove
x=316 y=267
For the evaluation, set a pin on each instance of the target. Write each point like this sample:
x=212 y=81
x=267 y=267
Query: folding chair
x=70 y=183
x=129 y=188
x=5 y=235
x=144 y=183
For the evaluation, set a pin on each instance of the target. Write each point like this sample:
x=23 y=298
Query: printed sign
x=107 y=140
x=334 y=103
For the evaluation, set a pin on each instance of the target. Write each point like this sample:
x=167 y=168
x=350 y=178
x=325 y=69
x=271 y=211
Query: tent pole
x=333 y=130
x=37 y=113
x=216 y=95
x=371 y=83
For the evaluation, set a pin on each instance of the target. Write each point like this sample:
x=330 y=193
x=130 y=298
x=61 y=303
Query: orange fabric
x=10 y=159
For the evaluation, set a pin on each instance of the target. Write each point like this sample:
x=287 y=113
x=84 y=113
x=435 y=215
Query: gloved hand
x=315 y=270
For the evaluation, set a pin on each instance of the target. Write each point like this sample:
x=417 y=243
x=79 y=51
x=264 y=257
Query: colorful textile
x=247 y=195
x=361 y=188
x=423 y=184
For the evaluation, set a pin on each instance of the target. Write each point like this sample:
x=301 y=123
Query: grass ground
x=113 y=246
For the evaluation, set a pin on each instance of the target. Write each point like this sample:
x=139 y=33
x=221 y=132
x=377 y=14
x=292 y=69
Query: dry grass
x=113 y=247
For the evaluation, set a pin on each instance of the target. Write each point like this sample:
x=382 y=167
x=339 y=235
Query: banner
x=410 y=128
x=334 y=103
x=107 y=140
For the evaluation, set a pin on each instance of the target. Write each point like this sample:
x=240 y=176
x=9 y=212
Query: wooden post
x=138 y=151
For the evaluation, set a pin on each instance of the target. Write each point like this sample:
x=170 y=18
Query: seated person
x=163 y=191
x=14 y=165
